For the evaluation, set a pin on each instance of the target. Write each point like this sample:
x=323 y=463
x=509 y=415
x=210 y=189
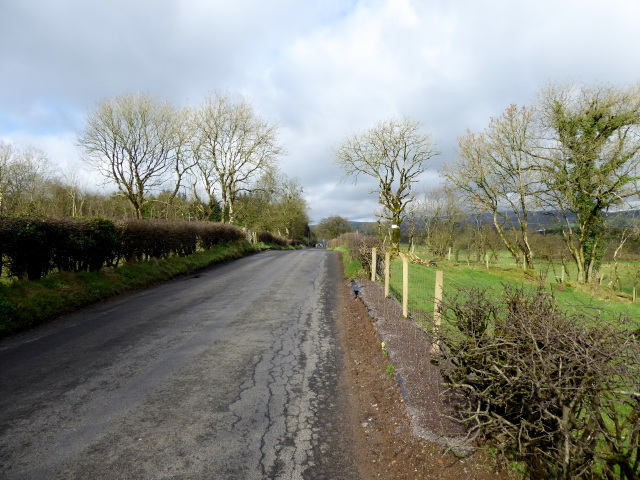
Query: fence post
x=374 y=263
x=405 y=286
x=387 y=269
x=437 y=300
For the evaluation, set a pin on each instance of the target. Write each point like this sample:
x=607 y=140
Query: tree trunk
x=512 y=249
x=395 y=235
x=231 y=214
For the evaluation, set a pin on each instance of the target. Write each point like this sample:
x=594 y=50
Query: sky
x=322 y=70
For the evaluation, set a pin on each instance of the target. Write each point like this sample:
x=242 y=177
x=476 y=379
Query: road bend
x=227 y=374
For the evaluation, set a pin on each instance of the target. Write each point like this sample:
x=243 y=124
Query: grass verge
x=25 y=304
x=352 y=267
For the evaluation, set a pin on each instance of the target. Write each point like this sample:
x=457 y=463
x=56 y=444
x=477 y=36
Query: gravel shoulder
x=399 y=423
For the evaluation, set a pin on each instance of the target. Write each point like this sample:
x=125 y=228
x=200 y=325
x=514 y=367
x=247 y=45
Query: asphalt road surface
x=228 y=374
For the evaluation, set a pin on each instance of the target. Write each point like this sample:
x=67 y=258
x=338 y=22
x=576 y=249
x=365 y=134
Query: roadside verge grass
x=352 y=267
x=25 y=304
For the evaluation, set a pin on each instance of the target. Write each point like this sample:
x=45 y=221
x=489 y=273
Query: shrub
x=271 y=239
x=136 y=240
x=33 y=247
x=81 y=245
x=26 y=245
x=211 y=234
x=103 y=246
x=144 y=239
x=359 y=247
x=69 y=240
x=559 y=392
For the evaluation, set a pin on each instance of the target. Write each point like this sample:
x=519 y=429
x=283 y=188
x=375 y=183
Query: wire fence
x=412 y=282
x=419 y=286
x=403 y=295
x=409 y=349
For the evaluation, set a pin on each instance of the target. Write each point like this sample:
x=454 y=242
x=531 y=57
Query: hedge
x=32 y=247
x=270 y=238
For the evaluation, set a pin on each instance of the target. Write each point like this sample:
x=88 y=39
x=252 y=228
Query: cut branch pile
x=558 y=392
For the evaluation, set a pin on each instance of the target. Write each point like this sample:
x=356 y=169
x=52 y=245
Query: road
x=228 y=374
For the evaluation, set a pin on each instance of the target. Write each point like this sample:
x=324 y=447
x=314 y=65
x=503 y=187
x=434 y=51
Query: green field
x=589 y=300
x=470 y=274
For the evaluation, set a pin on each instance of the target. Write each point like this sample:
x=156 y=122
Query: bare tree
x=394 y=153
x=6 y=155
x=576 y=154
x=440 y=213
x=231 y=147
x=23 y=177
x=136 y=142
x=590 y=162
x=496 y=173
x=72 y=184
x=621 y=230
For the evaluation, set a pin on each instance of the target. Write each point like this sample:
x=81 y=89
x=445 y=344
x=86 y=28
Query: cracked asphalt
x=228 y=374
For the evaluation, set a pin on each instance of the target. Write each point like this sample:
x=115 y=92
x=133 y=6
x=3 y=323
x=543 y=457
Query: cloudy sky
x=321 y=69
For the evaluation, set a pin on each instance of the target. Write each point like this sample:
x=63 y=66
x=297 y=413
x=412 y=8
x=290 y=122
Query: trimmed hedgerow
x=32 y=247
x=84 y=245
x=145 y=239
x=26 y=245
x=212 y=234
x=270 y=238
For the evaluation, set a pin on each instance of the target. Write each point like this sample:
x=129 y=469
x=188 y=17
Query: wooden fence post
x=405 y=286
x=374 y=263
x=437 y=317
x=387 y=270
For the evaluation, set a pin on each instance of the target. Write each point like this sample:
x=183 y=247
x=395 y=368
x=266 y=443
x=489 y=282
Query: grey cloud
x=321 y=70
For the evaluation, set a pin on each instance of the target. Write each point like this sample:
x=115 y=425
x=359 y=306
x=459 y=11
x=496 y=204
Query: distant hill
x=537 y=221
x=549 y=221
x=364 y=227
